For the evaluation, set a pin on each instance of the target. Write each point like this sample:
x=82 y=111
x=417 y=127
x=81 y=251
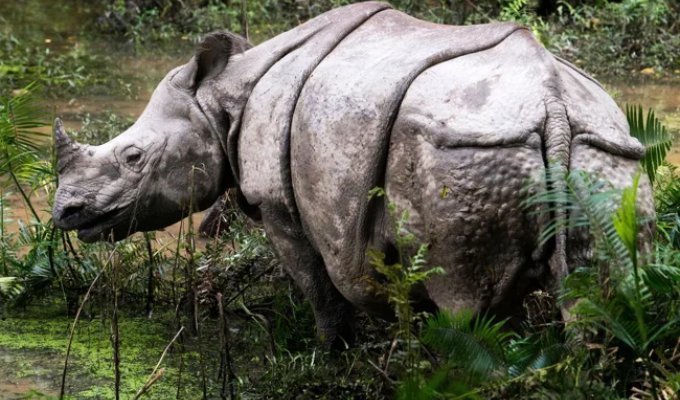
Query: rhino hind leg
x=470 y=213
x=334 y=315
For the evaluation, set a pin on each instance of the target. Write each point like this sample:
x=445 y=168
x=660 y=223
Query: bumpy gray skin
x=452 y=121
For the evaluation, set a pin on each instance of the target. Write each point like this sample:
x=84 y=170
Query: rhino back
x=594 y=117
x=342 y=125
x=471 y=144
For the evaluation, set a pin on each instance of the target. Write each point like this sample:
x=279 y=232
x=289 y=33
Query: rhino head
x=169 y=163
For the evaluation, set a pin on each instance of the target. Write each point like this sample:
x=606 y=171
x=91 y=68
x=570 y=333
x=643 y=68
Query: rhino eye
x=133 y=157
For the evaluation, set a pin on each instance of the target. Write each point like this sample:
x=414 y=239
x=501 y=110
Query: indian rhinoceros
x=452 y=121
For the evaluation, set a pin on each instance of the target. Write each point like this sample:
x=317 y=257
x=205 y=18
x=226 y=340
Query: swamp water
x=32 y=348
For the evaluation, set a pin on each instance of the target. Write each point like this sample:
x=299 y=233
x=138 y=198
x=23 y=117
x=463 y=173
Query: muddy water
x=42 y=380
x=664 y=99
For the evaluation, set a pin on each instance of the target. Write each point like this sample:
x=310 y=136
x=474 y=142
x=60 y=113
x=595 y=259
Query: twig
x=181 y=356
x=75 y=322
x=244 y=19
x=226 y=369
x=70 y=246
x=27 y=200
x=115 y=334
x=154 y=377
x=71 y=271
x=479 y=10
x=199 y=338
x=382 y=373
x=149 y=294
x=393 y=346
x=176 y=264
x=53 y=269
x=240 y=292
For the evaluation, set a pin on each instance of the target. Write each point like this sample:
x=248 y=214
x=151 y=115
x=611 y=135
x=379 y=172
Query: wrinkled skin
x=453 y=122
x=147 y=177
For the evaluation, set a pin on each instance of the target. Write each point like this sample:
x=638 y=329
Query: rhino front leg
x=333 y=313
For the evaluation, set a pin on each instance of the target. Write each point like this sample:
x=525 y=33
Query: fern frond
x=473 y=343
x=621 y=328
x=580 y=201
x=535 y=351
x=661 y=278
x=625 y=219
x=652 y=134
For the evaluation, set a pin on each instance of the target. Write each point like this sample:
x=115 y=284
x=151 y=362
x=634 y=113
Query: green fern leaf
x=473 y=343
x=625 y=219
x=652 y=134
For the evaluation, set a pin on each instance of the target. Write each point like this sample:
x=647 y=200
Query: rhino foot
x=335 y=326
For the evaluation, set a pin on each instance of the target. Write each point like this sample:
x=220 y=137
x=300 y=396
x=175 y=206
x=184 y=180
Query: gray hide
x=452 y=121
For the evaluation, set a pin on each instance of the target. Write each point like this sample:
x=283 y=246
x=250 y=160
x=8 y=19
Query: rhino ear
x=211 y=58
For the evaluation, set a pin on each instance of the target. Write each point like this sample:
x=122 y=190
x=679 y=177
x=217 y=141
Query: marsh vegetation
x=173 y=315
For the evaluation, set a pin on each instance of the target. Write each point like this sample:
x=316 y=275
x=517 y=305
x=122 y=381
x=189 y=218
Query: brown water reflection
x=41 y=379
x=663 y=98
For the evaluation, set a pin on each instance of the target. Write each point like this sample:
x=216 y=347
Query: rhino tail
x=557 y=145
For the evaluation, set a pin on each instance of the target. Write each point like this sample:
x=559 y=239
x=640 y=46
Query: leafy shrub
x=617 y=37
x=61 y=73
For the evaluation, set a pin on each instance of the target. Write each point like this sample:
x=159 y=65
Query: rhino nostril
x=71 y=210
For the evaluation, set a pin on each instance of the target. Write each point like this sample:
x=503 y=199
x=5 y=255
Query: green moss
x=37 y=341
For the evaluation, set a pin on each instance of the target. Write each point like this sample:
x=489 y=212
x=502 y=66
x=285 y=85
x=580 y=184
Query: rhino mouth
x=107 y=226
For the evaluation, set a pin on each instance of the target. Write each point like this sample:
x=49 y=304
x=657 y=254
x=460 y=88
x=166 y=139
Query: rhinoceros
x=452 y=121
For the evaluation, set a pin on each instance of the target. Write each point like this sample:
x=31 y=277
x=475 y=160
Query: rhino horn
x=67 y=149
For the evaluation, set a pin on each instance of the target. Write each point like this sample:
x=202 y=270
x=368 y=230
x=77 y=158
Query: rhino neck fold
x=218 y=122
x=264 y=142
x=243 y=72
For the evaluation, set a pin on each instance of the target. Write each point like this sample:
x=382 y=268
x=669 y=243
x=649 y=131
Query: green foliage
x=605 y=37
x=19 y=119
x=635 y=301
x=9 y=286
x=61 y=73
x=584 y=203
x=636 y=313
x=96 y=130
x=482 y=359
x=22 y=143
x=402 y=276
x=614 y=38
x=519 y=11
x=166 y=20
x=667 y=199
x=652 y=134
x=474 y=343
